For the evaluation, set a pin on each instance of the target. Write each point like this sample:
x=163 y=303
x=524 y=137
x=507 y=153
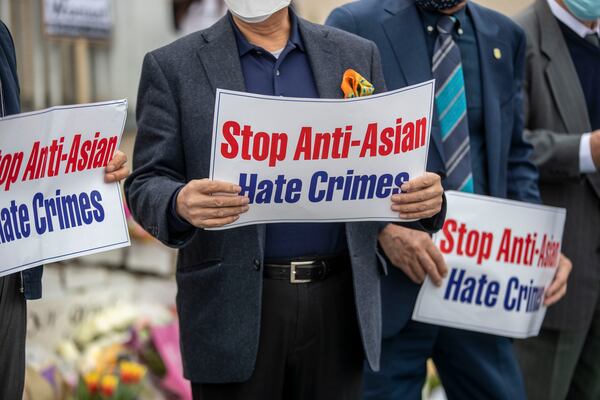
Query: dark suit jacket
x=9 y=88
x=219 y=273
x=396 y=27
x=556 y=116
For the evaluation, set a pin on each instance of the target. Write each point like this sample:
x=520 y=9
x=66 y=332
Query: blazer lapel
x=487 y=42
x=220 y=57
x=221 y=61
x=324 y=60
x=406 y=35
x=561 y=73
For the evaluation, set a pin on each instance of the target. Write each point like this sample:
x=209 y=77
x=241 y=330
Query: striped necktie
x=451 y=103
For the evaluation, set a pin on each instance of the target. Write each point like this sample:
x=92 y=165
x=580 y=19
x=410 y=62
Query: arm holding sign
x=158 y=159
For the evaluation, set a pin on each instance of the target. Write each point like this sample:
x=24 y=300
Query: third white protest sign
x=501 y=257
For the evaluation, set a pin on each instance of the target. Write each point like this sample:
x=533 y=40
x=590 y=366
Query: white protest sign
x=321 y=160
x=54 y=204
x=501 y=257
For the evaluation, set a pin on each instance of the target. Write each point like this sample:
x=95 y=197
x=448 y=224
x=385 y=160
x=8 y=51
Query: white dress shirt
x=586 y=163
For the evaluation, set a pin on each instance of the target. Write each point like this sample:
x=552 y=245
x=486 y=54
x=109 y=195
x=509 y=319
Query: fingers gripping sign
x=206 y=203
x=421 y=197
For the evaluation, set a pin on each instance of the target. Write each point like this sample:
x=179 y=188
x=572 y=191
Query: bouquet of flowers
x=124 y=382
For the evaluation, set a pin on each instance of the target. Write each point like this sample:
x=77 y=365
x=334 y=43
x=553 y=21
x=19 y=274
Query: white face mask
x=255 y=11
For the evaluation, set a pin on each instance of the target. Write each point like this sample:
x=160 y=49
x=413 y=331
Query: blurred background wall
x=317 y=10
x=62 y=71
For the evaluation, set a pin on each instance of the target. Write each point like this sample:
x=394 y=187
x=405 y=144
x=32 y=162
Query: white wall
x=140 y=26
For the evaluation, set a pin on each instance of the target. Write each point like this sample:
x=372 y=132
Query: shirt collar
x=244 y=46
x=571 y=22
x=430 y=18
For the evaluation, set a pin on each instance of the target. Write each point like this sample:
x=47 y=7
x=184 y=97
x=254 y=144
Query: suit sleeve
x=11 y=83
x=522 y=174
x=556 y=154
x=158 y=159
x=343 y=19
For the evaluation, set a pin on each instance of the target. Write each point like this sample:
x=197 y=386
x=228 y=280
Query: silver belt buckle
x=294 y=265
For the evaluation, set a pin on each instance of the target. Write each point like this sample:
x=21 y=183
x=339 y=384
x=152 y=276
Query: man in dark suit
x=477 y=58
x=249 y=329
x=16 y=288
x=562 y=120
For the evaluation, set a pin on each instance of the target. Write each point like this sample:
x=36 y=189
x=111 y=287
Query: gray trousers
x=13 y=326
x=559 y=365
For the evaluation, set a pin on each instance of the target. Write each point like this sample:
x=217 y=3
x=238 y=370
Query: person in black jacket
x=16 y=288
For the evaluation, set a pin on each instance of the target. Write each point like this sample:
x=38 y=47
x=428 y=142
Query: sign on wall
x=90 y=19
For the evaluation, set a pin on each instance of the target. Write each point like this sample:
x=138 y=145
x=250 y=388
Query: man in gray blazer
x=563 y=121
x=254 y=323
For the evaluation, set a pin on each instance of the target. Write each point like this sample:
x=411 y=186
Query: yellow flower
x=131 y=373
x=108 y=385
x=91 y=381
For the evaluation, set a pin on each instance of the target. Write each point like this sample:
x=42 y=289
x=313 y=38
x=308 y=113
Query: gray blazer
x=219 y=274
x=556 y=117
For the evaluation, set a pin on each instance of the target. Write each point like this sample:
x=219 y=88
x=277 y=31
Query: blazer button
x=256 y=263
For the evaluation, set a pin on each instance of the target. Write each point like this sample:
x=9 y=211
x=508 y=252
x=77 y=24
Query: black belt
x=306 y=271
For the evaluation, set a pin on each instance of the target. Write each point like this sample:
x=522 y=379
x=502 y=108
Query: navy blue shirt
x=466 y=40
x=288 y=75
x=586 y=58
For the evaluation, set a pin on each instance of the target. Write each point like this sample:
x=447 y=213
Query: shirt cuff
x=176 y=223
x=586 y=162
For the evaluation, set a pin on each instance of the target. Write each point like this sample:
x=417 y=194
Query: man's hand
x=595 y=147
x=210 y=204
x=116 y=170
x=421 y=197
x=414 y=253
x=558 y=288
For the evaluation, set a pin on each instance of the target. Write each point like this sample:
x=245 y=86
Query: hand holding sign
x=414 y=253
x=116 y=170
x=558 y=288
x=206 y=203
x=420 y=198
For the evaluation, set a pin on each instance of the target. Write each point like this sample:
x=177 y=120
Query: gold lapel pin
x=497 y=53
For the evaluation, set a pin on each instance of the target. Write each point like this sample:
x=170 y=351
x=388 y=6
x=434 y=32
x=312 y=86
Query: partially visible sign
x=502 y=255
x=90 y=19
x=54 y=203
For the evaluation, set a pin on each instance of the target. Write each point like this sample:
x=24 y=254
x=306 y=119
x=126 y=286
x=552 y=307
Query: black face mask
x=437 y=5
